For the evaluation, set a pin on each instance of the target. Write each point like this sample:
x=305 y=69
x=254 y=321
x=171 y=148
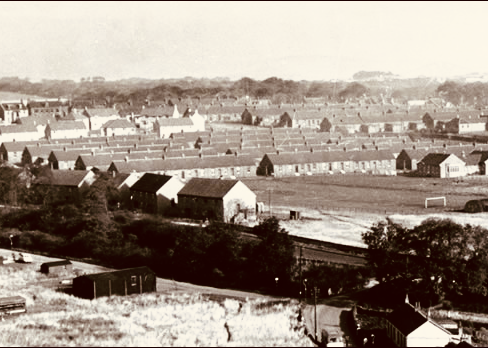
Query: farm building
x=154 y=193
x=123 y=282
x=407 y=326
x=57 y=267
x=442 y=165
x=217 y=199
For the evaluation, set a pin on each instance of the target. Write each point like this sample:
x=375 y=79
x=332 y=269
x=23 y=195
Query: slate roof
x=68 y=177
x=66 y=125
x=151 y=182
x=174 y=122
x=113 y=275
x=74 y=115
x=159 y=111
x=406 y=319
x=327 y=157
x=183 y=163
x=119 y=123
x=434 y=159
x=18 y=128
x=102 y=112
x=212 y=188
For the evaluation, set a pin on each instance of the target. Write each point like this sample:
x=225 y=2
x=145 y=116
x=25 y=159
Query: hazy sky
x=290 y=40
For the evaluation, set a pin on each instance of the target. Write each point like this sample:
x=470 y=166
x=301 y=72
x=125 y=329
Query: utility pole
x=315 y=309
x=269 y=201
x=300 y=272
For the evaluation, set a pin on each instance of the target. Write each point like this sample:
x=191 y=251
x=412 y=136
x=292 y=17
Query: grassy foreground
x=58 y=319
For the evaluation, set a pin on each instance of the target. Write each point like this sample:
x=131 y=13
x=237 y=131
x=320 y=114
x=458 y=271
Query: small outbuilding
x=123 y=282
x=57 y=267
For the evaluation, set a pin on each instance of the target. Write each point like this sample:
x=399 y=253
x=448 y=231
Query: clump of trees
x=436 y=260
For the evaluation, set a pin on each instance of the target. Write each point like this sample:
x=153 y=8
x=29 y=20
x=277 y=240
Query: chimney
x=414 y=147
x=164 y=156
x=136 y=146
x=277 y=152
x=126 y=158
x=311 y=150
x=296 y=150
x=200 y=155
x=92 y=153
x=406 y=299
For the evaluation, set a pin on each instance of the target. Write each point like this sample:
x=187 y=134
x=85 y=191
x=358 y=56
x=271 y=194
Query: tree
x=325 y=125
x=274 y=255
x=353 y=90
x=447 y=258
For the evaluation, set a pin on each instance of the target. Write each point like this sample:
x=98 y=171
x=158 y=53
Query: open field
x=393 y=194
x=165 y=318
x=11 y=96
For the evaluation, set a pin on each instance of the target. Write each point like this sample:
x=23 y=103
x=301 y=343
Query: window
x=133 y=280
x=296 y=169
x=232 y=171
x=248 y=170
x=212 y=172
x=342 y=165
x=330 y=166
x=182 y=174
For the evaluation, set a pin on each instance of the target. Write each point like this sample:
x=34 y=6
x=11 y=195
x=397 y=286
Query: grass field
x=395 y=194
x=156 y=319
x=11 y=96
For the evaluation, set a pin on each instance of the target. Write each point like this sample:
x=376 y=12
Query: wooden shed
x=123 y=282
x=57 y=267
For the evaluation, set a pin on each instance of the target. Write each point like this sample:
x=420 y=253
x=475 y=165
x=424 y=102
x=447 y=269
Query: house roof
x=434 y=159
x=151 y=182
x=101 y=112
x=174 y=122
x=66 y=125
x=18 y=128
x=57 y=263
x=161 y=165
x=118 y=123
x=158 y=111
x=212 y=188
x=74 y=115
x=407 y=319
x=68 y=177
x=117 y=274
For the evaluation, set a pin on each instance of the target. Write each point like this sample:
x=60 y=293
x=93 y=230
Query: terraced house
x=229 y=166
x=379 y=162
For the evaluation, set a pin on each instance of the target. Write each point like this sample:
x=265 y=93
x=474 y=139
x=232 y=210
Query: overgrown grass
x=58 y=319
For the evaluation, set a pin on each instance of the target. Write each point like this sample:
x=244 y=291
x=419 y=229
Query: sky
x=289 y=40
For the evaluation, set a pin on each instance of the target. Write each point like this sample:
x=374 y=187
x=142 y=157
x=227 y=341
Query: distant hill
x=371 y=75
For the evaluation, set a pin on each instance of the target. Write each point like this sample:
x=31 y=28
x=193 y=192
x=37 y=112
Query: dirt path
x=163 y=285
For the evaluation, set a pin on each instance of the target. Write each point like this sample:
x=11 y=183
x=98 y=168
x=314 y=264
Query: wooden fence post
x=140 y=283
x=125 y=287
x=110 y=287
x=94 y=289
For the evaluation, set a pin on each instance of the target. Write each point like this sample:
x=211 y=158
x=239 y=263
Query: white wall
x=239 y=194
x=428 y=335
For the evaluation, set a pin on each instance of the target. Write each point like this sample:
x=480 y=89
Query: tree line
x=98 y=227
x=438 y=260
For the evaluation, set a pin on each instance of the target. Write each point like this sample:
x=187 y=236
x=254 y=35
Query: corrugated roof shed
x=117 y=274
x=434 y=159
x=67 y=177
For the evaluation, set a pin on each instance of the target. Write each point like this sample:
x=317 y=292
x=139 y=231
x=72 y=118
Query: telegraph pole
x=315 y=309
x=300 y=272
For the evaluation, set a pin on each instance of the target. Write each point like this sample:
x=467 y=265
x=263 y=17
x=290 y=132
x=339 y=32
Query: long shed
x=57 y=267
x=123 y=282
